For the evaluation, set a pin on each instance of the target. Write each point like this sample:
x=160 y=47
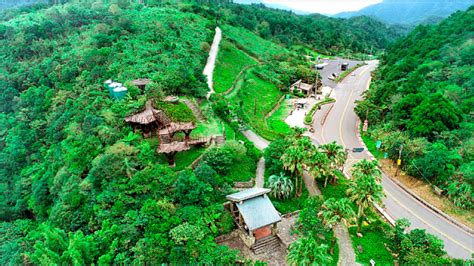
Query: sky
x=328 y=7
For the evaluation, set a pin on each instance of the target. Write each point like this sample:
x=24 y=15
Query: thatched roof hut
x=148 y=116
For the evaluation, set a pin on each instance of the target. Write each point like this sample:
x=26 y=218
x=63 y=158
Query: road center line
x=428 y=224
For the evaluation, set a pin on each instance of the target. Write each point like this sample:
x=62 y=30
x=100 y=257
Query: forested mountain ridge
x=78 y=185
x=422 y=98
x=408 y=11
x=328 y=35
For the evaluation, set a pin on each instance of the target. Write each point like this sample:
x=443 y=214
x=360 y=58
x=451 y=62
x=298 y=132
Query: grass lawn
x=252 y=44
x=277 y=123
x=230 y=62
x=370 y=143
x=183 y=159
x=257 y=97
x=243 y=170
x=372 y=243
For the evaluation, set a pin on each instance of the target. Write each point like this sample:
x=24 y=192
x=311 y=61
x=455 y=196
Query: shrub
x=281 y=186
x=220 y=159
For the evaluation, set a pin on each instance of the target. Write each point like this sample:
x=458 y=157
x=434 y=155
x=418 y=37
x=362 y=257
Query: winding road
x=341 y=126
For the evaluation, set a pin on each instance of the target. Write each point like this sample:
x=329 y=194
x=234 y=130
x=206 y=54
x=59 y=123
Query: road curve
x=341 y=126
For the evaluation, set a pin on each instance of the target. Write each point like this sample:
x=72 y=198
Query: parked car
x=359 y=149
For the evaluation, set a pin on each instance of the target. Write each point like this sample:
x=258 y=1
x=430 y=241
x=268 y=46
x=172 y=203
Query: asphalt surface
x=340 y=126
x=334 y=66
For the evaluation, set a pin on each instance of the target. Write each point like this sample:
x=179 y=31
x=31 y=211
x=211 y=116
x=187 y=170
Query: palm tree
x=366 y=167
x=336 y=211
x=364 y=191
x=306 y=251
x=281 y=186
x=336 y=154
x=294 y=160
x=320 y=166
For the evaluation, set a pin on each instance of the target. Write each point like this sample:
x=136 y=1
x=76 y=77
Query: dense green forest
x=325 y=34
x=422 y=97
x=77 y=184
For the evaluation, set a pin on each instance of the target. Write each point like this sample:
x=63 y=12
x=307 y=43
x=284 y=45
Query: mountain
x=273 y=5
x=409 y=12
x=79 y=185
x=422 y=98
x=9 y=3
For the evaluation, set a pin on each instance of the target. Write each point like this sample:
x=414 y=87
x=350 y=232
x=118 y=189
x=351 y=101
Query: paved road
x=340 y=126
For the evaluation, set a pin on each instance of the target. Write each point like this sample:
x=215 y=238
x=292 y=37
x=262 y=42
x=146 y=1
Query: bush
x=308 y=119
x=220 y=159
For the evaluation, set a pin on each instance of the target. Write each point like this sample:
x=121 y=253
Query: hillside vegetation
x=80 y=186
x=422 y=98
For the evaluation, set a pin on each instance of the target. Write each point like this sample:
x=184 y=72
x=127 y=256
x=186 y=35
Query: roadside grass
x=420 y=187
x=276 y=122
x=372 y=244
x=257 y=97
x=230 y=62
x=347 y=72
x=308 y=119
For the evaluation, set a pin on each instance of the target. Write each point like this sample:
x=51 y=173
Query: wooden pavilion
x=174 y=127
x=148 y=121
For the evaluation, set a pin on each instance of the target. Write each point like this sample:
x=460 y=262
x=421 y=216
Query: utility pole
x=399 y=161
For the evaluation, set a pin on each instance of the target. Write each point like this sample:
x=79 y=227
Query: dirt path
x=310 y=184
x=259 y=177
x=258 y=141
x=211 y=61
x=346 y=251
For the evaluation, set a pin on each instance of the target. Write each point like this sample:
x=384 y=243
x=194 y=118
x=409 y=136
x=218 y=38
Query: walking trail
x=211 y=61
x=346 y=251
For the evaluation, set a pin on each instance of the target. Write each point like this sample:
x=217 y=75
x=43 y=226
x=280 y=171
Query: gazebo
x=256 y=216
x=148 y=120
x=170 y=150
x=141 y=83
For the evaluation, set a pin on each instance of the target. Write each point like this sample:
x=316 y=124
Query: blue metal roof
x=248 y=194
x=258 y=212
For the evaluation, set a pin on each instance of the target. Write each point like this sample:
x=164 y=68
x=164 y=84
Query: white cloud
x=324 y=6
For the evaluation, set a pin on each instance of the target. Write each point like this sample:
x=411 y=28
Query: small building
x=256 y=216
x=305 y=88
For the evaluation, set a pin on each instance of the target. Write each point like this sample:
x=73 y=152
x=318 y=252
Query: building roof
x=301 y=85
x=173 y=147
x=177 y=127
x=141 y=82
x=149 y=115
x=248 y=194
x=258 y=212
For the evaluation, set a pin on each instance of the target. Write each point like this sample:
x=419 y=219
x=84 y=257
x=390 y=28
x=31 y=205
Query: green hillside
x=422 y=98
x=80 y=186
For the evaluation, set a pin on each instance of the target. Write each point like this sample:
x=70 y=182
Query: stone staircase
x=196 y=110
x=266 y=244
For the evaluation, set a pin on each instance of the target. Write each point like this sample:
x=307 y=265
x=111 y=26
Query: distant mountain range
x=410 y=11
x=15 y=3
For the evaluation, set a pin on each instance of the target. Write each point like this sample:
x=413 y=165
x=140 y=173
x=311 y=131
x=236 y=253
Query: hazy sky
x=324 y=6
